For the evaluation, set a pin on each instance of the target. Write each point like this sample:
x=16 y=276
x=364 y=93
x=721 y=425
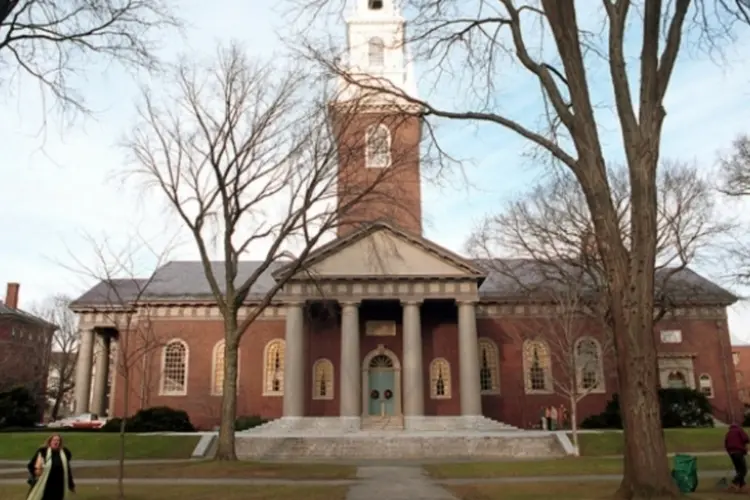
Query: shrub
x=248 y=422
x=156 y=419
x=679 y=408
x=18 y=408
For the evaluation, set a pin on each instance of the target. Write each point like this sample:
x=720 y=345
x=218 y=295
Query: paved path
x=395 y=483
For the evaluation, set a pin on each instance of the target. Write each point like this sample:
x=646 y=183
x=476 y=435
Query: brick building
x=417 y=332
x=25 y=343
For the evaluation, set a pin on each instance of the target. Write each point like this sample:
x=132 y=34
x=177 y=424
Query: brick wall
x=701 y=337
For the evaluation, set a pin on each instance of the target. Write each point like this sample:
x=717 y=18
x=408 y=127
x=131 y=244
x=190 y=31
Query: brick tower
x=378 y=134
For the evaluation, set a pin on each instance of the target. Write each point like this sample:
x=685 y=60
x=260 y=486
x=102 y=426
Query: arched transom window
x=273 y=369
x=323 y=379
x=378 y=147
x=706 y=385
x=676 y=380
x=174 y=368
x=537 y=366
x=376 y=52
x=489 y=364
x=440 y=379
x=589 y=369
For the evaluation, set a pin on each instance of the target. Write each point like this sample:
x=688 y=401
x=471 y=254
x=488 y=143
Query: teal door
x=381 y=384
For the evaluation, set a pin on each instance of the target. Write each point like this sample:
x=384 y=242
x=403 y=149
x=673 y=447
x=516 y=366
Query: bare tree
x=735 y=168
x=248 y=158
x=54 y=41
x=567 y=347
x=121 y=301
x=64 y=347
x=560 y=45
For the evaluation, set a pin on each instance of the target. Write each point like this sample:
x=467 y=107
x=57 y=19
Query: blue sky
x=58 y=181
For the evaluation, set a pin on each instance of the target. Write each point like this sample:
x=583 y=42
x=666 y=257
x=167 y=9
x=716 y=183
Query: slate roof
x=21 y=315
x=509 y=279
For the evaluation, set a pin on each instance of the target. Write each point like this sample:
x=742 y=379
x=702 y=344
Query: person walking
x=735 y=443
x=51 y=476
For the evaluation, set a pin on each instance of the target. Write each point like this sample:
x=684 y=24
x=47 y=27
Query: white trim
x=710 y=384
x=601 y=387
x=378 y=43
x=546 y=365
x=370 y=130
x=184 y=391
x=494 y=372
x=331 y=373
x=282 y=345
x=446 y=379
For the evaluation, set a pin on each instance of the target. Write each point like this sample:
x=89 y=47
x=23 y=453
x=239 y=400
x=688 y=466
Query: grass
x=99 y=446
x=197 y=492
x=678 y=441
x=219 y=470
x=570 y=491
x=556 y=467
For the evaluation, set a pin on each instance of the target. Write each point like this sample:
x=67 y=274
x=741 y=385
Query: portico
x=377 y=265
x=93 y=365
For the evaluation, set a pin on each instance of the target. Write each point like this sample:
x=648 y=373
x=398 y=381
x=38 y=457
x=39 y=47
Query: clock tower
x=378 y=132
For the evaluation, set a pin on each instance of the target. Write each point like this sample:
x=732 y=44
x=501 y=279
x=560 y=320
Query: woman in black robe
x=49 y=465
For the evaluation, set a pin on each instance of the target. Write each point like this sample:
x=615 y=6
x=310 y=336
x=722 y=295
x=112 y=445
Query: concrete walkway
x=396 y=483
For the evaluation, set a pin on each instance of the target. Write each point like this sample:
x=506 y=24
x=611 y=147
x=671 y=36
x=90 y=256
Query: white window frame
x=446 y=378
x=369 y=161
x=266 y=381
x=600 y=388
x=220 y=390
x=494 y=373
x=710 y=385
x=184 y=391
x=331 y=372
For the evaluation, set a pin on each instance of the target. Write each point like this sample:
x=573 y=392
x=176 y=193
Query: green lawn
x=565 y=491
x=99 y=446
x=678 y=441
x=557 y=467
x=206 y=469
x=196 y=492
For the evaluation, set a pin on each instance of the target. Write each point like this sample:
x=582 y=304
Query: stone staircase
x=384 y=445
x=386 y=423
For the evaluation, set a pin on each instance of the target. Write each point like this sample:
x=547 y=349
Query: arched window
x=273 y=368
x=589 y=369
x=323 y=379
x=537 y=366
x=217 y=372
x=676 y=380
x=440 y=379
x=706 y=385
x=174 y=367
x=489 y=374
x=378 y=150
x=376 y=53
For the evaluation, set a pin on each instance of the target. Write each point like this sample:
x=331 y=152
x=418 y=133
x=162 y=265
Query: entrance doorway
x=381 y=384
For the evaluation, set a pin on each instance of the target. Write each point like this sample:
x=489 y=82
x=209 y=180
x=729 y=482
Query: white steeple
x=376 y=51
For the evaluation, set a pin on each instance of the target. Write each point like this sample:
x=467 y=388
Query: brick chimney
x=11 y=295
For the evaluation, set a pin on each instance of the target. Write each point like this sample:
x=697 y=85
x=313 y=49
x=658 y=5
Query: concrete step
x=399 y=446
x=386 y=423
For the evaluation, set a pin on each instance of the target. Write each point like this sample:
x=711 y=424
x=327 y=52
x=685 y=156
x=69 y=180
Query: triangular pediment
x=381 y=250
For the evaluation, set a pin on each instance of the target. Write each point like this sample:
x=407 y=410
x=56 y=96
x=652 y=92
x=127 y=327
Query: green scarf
x=37 y=492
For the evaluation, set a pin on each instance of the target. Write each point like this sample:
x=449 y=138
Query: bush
x=18 y=408
x=248 y=422
x=679 y=408
x=157 y=419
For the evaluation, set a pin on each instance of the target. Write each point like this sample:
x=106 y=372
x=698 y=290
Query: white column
x=294 y=362
x=83 y=370
x=413 y=392
x=350 y=374
x=101 y=375
x=468 y=360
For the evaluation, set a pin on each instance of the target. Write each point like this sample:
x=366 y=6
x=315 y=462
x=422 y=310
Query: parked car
x=83 y=421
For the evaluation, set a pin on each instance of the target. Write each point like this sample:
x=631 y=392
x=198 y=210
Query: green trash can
x=685 y=473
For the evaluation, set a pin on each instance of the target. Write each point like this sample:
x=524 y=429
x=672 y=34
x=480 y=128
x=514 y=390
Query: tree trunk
x=646 y=467
x=123 y=422
x=226 y=449
x=574 y=423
